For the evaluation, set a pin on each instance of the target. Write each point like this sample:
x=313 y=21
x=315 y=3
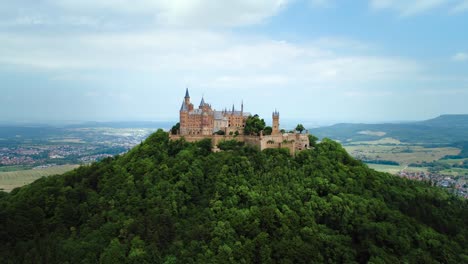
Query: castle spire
x=242 y=108
x=202 y=103
x=187 y=95
x=233 y=108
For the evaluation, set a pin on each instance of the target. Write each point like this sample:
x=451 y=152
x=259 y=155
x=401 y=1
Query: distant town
x=68 y=146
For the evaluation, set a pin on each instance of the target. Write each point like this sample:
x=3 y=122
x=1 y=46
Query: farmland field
x=455 y=172
x=402 y=154
x=13 y=179
x=394 y=169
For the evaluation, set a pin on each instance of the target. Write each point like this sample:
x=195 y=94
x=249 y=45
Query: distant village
x=457 y=186
x=86 y=146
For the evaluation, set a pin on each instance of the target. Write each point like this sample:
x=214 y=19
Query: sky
x=313 y=60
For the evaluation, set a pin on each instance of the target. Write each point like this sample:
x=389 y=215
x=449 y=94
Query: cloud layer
x=414 y=7
x=132 y=53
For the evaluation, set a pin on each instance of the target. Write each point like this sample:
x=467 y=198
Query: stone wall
x=293 y=142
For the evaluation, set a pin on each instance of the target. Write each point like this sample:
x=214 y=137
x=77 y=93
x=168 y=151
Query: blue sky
x=318 y=61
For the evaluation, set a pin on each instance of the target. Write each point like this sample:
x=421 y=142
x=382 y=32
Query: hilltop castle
x=205 y=122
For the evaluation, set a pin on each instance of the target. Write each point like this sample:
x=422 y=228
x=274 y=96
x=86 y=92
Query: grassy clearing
x=13 y=179
x=383 y=141
x=402 y=154
x=453 y=161
x=15 y=168
x=394 y=169
x=455 y=172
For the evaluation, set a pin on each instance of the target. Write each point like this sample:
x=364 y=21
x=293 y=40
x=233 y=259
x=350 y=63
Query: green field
x=403 y=154
x=394 y=169
x=15 y=168
x=13 y=179
x=455 y=172
x=452 y=161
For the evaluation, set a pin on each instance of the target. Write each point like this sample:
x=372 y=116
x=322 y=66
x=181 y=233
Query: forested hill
x=176 y=202
x=445 y=129
x=448 y=121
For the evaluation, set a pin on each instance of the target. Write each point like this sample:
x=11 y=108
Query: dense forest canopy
x=177 y=202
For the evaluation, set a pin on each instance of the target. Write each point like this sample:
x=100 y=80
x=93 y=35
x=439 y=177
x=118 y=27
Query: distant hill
x=42 y=131
x=125 y=124
x=177 y=202
x=445 y=129
x=448 y=121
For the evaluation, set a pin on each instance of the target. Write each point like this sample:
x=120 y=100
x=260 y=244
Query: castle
x=205 y=122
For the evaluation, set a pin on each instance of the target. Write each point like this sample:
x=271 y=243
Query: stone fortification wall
x=293 y=142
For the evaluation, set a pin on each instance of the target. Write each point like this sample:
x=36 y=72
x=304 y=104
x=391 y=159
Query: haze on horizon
x=316 y=60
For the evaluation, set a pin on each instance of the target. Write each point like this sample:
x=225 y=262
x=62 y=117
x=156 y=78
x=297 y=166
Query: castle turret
x=202 y=102
x=187 y=97
x=242 y=108
x=275 y=128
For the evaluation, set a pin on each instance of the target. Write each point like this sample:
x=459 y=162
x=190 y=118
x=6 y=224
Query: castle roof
x=187 y=93
x=184 y=106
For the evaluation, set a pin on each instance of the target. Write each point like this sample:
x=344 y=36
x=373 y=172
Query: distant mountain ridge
x=447 y=121
x=445 y=129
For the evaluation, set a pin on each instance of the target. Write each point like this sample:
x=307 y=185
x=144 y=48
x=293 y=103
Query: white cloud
x=187 y=13
x=219 y=60
x=462 y=6
x=460 y=56
x=407 y=7
x=414 y=7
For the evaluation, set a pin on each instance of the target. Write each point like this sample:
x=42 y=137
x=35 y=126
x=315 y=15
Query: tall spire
x=187 y=93
x=242 y=107
x=202 y=103
x=233 y=108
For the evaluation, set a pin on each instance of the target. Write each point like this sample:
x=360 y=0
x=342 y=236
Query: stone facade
x=204 y=122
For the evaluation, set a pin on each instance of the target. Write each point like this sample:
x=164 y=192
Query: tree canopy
x=254 y=125
x=177 y=202
x=300 y=128
x=175 y=129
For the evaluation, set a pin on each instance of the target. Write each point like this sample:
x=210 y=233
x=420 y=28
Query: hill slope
x=445 y=129
x=176 y=202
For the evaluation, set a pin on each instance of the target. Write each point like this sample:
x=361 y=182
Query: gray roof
x=184 y=106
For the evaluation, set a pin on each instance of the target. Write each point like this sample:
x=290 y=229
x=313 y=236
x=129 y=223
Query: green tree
x=220 y=132
x=175 y=129
x=114 y=253
x=312 y=140
x=300 y=128
x=254 y=125
x=267 y=130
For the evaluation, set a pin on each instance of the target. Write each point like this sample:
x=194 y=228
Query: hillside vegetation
x=176 y=202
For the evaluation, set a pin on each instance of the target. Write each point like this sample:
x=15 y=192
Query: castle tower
x=187 y=97
x=275 y=128
x=242 y=108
